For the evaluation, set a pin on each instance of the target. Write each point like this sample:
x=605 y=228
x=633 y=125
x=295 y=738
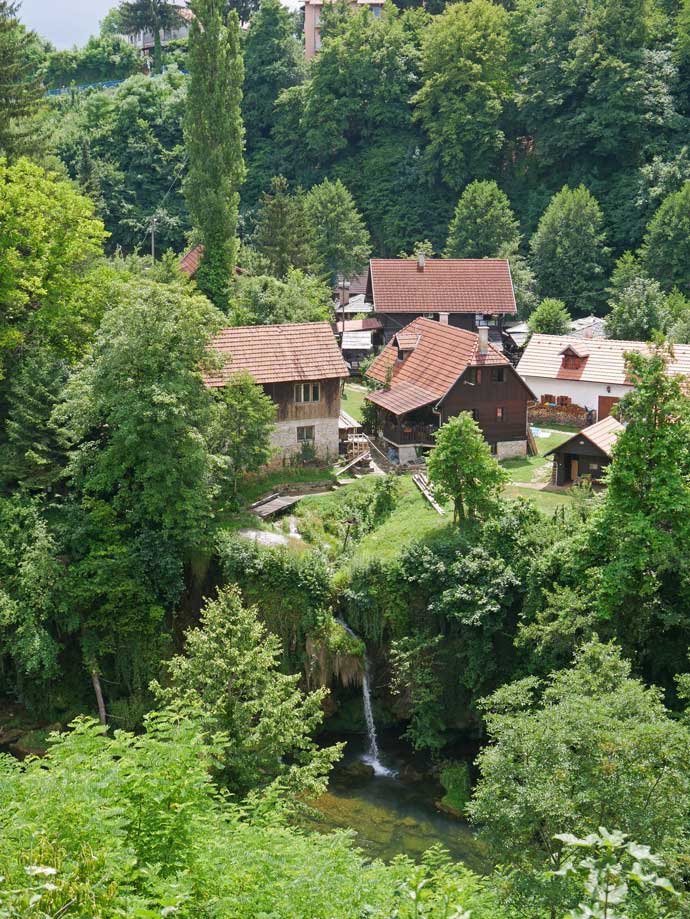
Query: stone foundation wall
x=507 y=449
x=326 y=438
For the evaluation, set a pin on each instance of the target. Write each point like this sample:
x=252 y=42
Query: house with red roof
x=301 y=368
x=588 y=374
x=429 y=372
x=463 y=293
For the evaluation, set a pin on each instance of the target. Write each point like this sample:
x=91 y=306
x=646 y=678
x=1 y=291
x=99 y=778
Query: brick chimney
x=483 y=333
x=421 y=261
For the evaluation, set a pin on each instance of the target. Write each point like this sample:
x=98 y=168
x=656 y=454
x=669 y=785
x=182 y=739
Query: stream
x=390 y=814
x=389 y=804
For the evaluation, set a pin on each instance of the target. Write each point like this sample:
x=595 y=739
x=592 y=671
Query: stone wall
x=326 y=438
x=507 y=449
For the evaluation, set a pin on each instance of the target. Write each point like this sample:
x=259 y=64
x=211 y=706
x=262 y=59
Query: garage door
x=606 y=403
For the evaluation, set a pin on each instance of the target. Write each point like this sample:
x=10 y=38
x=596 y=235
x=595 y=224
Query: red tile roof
x=279 y=353
x=358 y=325
x=189 y=263
x=603 y=360
x=443 y=286
x=603 y=435
x=441 y=356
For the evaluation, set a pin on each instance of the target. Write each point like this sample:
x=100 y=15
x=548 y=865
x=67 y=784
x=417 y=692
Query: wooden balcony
x=418 y=434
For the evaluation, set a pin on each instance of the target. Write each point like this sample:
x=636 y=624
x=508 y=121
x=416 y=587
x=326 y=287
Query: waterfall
x=371 y=757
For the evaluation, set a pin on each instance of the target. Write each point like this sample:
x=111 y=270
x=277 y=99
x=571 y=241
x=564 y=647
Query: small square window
x=474 y=376
x=498 y=374
x=305 y=434
x=500 y=413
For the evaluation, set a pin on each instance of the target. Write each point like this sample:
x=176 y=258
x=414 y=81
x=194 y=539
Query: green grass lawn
x=412 y=519
x=536 y=468
x=352 y=401
x=546 y=501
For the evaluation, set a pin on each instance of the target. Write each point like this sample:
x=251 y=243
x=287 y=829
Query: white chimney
x=421 y=261
x=483 y=333
x=443 y=318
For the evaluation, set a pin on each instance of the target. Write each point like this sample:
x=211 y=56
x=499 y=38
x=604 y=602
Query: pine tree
x=214 y=137
x=283 y=234
x=484 y=225
x=20 y=88
x=149 y=16
x=32 y=456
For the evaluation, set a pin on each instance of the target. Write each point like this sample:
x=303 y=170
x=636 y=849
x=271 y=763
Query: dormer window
x=573 y=359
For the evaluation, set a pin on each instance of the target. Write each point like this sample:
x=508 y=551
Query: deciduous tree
x=483 y=225
x=466 y=82
x=462 y=468
x=551 y=317
x=666 y=250
x=243 y=425
x=341 y=239
x=569 y=255
x=591 y=746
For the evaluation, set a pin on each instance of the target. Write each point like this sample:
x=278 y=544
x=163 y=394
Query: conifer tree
x=149 y=16
x=20 y=87
x=32 y=457
x=283 y=234
x=214 y=138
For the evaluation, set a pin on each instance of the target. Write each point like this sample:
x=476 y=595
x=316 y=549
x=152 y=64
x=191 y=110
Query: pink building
x=312 y=21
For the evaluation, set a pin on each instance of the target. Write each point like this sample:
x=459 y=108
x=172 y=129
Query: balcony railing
x=410 y=433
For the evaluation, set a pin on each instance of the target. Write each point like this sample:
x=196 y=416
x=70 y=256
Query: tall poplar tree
x=214 y=137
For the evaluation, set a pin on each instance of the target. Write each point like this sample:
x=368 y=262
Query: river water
x=390 y=815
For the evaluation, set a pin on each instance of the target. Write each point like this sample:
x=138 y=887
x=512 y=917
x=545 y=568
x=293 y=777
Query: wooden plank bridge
x=274 y=504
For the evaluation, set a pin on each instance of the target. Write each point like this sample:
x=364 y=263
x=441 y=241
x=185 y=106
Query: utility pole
x=153 y=238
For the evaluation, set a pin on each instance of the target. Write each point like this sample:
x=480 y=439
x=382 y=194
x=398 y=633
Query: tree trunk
x=157 y=50
x=96 y=680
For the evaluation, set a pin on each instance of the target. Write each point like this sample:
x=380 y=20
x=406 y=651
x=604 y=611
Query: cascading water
x=371 y=757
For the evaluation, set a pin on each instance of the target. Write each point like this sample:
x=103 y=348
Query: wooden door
x=606 y=403
x=574 y=469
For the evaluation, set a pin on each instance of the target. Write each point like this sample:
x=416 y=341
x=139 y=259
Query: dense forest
x=195 y=685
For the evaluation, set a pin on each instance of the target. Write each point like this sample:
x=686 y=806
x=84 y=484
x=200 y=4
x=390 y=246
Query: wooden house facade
x=300 y=367
x=462 y=293
x=430 y=372
x=587 y=453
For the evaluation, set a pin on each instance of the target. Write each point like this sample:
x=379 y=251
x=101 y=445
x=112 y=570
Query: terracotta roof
x=604 y=361
x=358 y=325
x=441 y=356
x=279 y=353
x=190 y=261
x=603 y=435
x=443 y=286
x=407 y=340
